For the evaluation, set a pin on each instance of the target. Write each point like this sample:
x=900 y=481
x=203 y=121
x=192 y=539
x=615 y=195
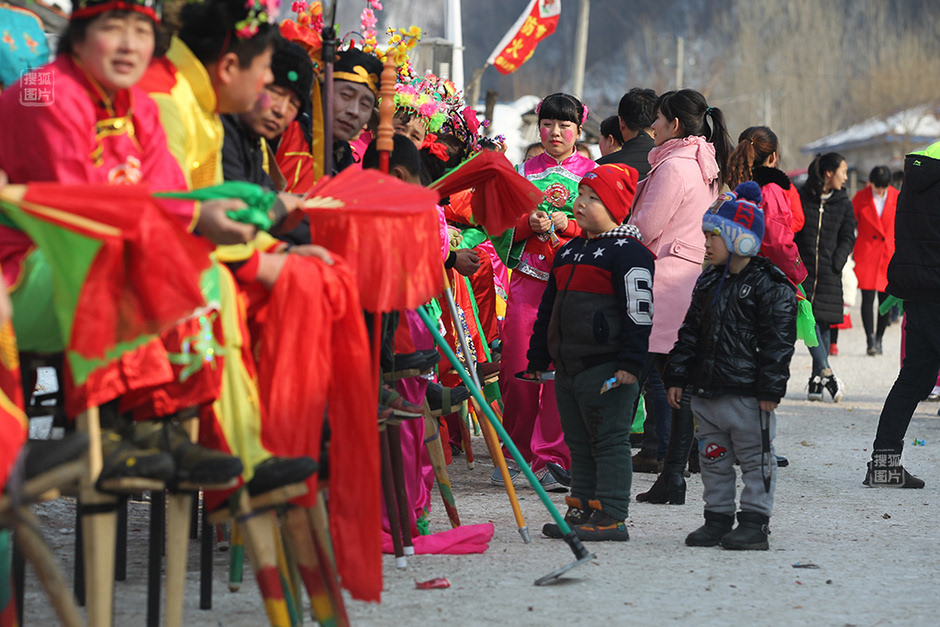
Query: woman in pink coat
x=755 y=159
x=874 y=206
x=691 y=146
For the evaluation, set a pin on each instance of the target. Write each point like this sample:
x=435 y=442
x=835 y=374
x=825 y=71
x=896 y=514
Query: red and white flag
x=536 y=23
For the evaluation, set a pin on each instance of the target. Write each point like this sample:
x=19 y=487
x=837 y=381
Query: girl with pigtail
x=688 y=167
x=755 y=159
x=530 y=414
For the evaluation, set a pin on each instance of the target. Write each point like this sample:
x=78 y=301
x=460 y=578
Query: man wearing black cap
x=355 y=91
x=244 y=152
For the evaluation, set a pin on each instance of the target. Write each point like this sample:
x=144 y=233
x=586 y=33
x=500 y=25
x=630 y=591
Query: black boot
x=715 y=528
x=668 y=488
x=670 y=485
x=750 y=534
x=872 y=350
x=885 y=471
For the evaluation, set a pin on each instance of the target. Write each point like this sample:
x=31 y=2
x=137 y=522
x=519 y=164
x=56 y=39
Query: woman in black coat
x=825 y=243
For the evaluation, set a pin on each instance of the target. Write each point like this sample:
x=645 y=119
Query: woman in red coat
x=874 y=206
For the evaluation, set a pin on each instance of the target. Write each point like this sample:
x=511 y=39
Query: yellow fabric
x=194 y=135
x=194 y=131
x=238 y=408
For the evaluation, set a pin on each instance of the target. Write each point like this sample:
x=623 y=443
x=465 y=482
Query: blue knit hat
x=738 y=218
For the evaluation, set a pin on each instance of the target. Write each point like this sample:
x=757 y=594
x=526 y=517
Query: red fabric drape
x=314 y=357
x=501 y=195
x=388 y=232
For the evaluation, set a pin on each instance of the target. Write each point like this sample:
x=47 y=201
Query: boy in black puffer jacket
x=594 y=322
x=734 y=351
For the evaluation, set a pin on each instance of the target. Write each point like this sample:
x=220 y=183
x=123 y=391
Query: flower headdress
x=306 y=30
x=421 y=98
x=259 y=12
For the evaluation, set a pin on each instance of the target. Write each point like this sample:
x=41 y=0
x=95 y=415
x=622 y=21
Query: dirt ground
x=874 y=552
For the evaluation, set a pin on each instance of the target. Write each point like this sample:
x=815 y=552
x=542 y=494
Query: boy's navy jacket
x=738 y=334
x=598 y=305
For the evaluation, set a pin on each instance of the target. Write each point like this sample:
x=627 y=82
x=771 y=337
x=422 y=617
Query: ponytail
x=689 y=107
x=816 y=174
x=755 y=145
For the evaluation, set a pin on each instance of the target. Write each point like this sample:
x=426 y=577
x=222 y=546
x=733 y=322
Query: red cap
x=615 y=183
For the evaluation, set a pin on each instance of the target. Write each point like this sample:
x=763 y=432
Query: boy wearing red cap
x=594 y=323
x=733 y=355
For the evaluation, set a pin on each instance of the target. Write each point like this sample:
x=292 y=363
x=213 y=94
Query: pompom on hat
x=615 y=183
x=738 y=218
x=292 y=69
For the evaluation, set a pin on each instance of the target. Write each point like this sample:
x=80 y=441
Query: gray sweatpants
x=728 y=429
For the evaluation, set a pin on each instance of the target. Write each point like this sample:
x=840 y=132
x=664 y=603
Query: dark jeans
x=917 y=377
x=597 y=432
x=656 y=423
x=820 y=352
x=868 y=302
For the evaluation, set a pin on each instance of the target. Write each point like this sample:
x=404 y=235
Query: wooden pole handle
x=387 y=107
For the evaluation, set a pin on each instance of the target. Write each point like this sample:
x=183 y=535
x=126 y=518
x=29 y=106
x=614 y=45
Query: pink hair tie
x=584 y=115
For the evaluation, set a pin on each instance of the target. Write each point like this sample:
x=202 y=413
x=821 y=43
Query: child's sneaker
x=548 y=481
x=815 y=392
x=834 y=386
x=577 y=514
x=497 y=477
x=601 y=527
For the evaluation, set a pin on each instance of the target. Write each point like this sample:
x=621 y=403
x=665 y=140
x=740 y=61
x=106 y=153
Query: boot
x=194 y=463
x=668 y=488
x=123 y=458
x=871 y=351
x=276 y=472
x=670 y=485
x=715 y=528
x=601 y=527
x=646 y=463
x=750 y=534
x=577 y=514
x=885 y=471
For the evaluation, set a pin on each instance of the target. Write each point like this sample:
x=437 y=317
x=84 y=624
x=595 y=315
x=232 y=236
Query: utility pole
x=580 y=48
x=680 y=60
x=453 y=32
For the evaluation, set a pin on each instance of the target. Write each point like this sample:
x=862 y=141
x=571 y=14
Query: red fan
x=388 y=232
x=501 y=196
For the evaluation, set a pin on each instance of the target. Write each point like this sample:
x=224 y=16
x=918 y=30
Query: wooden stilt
x=317 y=518
x=259 y=529
x=401 y=494
x=37 y=552
x=179 y=514
x=99 y=524
x=432 y=440
x=391 y=501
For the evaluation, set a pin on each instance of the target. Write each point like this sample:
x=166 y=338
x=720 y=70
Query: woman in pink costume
x=530 y=414
x=691 y=148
